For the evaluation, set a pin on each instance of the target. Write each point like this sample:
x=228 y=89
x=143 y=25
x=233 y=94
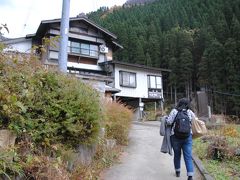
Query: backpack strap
x=174 y=119
x=175 y=116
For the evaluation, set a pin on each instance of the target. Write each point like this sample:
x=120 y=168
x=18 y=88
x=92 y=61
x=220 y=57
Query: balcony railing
x=83 y=51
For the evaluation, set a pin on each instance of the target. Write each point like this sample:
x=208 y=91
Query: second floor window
x=154 y=82
x=83 y=49
x=127 y=79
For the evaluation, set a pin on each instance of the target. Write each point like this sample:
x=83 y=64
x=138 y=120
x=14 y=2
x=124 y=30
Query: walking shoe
x=190 y=178
x=177 y=173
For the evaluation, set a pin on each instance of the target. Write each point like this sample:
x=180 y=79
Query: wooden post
x=114 y=98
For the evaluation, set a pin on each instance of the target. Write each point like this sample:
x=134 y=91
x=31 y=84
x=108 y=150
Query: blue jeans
x=184 y=145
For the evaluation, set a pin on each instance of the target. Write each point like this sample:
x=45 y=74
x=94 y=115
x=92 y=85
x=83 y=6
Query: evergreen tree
x=199 y=40
x=138 y=55
x=235 y=28
x=186 y=64
x=148 y=61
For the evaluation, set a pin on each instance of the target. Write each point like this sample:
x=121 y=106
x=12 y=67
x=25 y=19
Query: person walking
x=180 y=119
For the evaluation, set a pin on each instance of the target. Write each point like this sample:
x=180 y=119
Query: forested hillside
x=133 y=2
x=199 y=40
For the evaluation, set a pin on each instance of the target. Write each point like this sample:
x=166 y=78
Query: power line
x=95 y=5
x=218 y=92
x=224 y=93
x=28 y=14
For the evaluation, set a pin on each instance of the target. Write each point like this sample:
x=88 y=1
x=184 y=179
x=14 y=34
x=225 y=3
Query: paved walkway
x=142 y=159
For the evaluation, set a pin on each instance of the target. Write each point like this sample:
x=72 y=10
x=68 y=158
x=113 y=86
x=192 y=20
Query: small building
x=138 y=84
x=90 y=58
x=88 y=45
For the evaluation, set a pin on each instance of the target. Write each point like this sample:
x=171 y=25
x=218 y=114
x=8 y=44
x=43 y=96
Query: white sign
x=141 y=104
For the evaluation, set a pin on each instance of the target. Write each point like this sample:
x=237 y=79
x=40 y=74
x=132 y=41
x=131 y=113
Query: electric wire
x=94 y=4
x=28 y=15
x=224 y=93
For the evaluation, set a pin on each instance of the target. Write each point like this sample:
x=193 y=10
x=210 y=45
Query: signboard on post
x=141 y=104
x=155 y=93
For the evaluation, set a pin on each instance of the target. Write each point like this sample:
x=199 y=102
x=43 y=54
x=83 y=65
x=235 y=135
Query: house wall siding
x=23 y=46
x=95 y=37
x=141 y=90
x=91 y=37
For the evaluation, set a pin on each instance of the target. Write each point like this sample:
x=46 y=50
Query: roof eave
x=118 y=45
x=140 y=66
x=16 y=40
x=46 y=22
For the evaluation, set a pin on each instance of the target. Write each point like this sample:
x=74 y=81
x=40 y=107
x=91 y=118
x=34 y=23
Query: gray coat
x=165 y=130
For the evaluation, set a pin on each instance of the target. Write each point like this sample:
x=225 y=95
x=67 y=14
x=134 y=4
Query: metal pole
x=64 y=36
x=140 y=109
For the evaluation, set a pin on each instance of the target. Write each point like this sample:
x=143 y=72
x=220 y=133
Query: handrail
x=89 y=52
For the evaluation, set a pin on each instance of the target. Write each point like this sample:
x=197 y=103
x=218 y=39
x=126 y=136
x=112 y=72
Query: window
x=83 y=49
x=93 y=50
x=75 y=47
x=154 y=82
x=127 y=79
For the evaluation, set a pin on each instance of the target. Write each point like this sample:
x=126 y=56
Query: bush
x=51 y=114
x=219 y=152
x=9 y=164
x=43 y=167
x=218 y=148
x=104 y=158
x=231 y=131
x=118 y=119
x=45 y=105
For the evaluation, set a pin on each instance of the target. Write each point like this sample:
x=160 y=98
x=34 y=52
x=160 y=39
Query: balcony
x=83 y=49
x=75 y=65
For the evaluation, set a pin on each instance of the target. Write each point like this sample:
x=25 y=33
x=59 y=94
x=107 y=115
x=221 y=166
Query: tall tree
x=199 y=40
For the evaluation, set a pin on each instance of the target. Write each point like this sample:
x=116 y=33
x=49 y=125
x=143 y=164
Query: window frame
x=121 y=82
x=91 y=51
x=156 y=85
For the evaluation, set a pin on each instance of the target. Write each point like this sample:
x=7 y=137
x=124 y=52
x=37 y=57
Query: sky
x=24 y=16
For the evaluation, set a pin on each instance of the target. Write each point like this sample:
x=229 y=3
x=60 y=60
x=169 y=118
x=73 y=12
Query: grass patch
x=228 y=166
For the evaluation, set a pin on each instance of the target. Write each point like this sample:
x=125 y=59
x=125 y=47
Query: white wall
x=142 y=83
x=84 y=66
x=23 y=46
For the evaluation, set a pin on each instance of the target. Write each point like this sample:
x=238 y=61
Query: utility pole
x=64 y=28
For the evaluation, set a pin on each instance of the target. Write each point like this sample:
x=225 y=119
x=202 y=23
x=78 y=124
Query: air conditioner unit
x=103 y=49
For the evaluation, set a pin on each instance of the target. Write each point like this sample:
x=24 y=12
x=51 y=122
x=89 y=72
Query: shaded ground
x=142 y=159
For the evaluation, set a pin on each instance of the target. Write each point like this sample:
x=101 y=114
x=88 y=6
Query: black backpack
x=182 y=125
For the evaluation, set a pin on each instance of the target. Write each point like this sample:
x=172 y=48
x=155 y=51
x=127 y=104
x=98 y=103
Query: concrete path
x=142 y=159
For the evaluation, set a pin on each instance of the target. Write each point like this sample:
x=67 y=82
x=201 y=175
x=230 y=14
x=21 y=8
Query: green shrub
x=118 y=119
x=9 y=164
x=47 y=106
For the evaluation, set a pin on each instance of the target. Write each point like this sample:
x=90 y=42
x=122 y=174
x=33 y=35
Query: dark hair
x=183 y=103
